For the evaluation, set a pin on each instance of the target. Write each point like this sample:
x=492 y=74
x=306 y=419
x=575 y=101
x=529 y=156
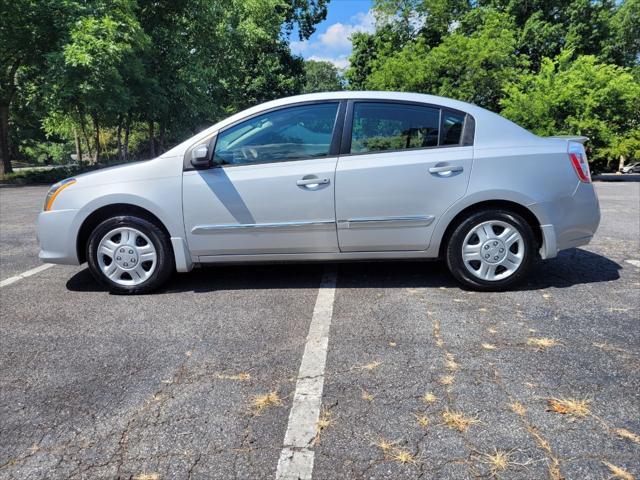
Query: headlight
x=55 y=189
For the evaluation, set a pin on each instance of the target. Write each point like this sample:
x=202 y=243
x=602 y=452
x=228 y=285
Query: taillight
x=579 y=161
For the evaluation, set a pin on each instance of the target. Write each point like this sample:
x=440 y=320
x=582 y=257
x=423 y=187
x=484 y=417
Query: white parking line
x=635 y=263
x=296 y=458
x=26 y=274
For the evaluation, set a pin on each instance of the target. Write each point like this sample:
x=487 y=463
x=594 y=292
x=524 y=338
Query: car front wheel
x=491 y=250
x=129 y=255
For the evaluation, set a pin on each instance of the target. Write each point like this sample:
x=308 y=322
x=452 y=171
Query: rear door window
x=393 y=126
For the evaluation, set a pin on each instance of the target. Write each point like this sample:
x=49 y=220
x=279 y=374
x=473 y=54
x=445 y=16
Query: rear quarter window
x=452 y=127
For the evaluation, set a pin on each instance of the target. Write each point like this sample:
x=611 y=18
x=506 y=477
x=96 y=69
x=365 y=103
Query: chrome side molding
x=387 y=222
x=261 y=227
x=369 y=222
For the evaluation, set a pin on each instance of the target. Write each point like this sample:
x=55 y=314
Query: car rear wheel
x=491 y=250
x=129 y=255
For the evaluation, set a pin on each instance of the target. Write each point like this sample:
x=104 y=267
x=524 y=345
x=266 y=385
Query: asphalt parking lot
x=421 y=379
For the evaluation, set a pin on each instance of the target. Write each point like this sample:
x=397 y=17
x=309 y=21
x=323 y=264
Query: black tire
x=455 y=262
x=165 y=265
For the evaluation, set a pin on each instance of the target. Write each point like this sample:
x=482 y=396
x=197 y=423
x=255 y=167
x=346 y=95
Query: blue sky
x=331 y=41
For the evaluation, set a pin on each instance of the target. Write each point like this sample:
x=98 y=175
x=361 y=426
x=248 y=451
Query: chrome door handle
x=446 y=169
x=312 y=181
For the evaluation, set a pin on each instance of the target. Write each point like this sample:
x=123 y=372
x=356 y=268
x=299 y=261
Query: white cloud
x=334 y=44
x=341 y=62
x=338 y=35
x=298 y=47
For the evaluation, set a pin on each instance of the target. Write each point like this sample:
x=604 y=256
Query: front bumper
x=570 y=221
x=57 y=235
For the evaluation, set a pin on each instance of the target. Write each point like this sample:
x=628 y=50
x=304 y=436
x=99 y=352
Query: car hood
x=131 y=172
x=115 y=169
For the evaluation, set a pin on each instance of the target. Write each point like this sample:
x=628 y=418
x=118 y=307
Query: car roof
x=490 y=128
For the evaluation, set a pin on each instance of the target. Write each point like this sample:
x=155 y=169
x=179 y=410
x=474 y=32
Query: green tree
x=371 y=48
x=29 y=30
x=321 y=77
x=547 y=26
x=467 y=67
x=90 y=73
x=623 y=45
x=429 y=19
x=229 y=55
x=583 y=97
x=105 y=72
x=305 y=14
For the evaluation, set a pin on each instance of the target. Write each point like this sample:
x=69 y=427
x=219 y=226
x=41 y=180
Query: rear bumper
x=57 y=237
x=570 y=221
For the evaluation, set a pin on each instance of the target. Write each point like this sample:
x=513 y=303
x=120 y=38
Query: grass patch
x=542 y=343
x=517 y=408
x=397 y=454
x=324 y=422
x=569 y=406
x=240 y=377
x=618 y=472
x=259 y=403
x=446 y=379
x=500 y=460
x=403 y=456
x=451 y=363
x=369 y=366
x=366 y=396
x=626 y=434
x=429 y=398
x=458 y=420
x=385 y=445
x=422 y=420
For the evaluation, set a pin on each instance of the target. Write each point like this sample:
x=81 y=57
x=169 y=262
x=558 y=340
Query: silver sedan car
x=330 y=177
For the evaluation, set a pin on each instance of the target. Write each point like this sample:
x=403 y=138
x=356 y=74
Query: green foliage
x=48 y=153
x=321 y=77
x=369 y=49
x=44 y=177
x=116 y=78
x=623 y=46
x=584 y=97
x=553 y=66
x=468 y=67
x=306 y=14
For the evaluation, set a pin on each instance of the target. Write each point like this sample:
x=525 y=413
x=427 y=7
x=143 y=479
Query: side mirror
x=200 y=157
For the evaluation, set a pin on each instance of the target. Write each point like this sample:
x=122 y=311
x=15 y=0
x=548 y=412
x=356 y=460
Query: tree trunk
x=162 y=147
x=127 y=129
x=10 y=90
x=76 y=138
x=119 y=138
x=152 y=140
x=621 y=162
x=96 y=129
x=4 y=139
x=86 y=137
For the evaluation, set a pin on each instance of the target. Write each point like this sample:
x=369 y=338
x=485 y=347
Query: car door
x=402 y=165
x=271 y=187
